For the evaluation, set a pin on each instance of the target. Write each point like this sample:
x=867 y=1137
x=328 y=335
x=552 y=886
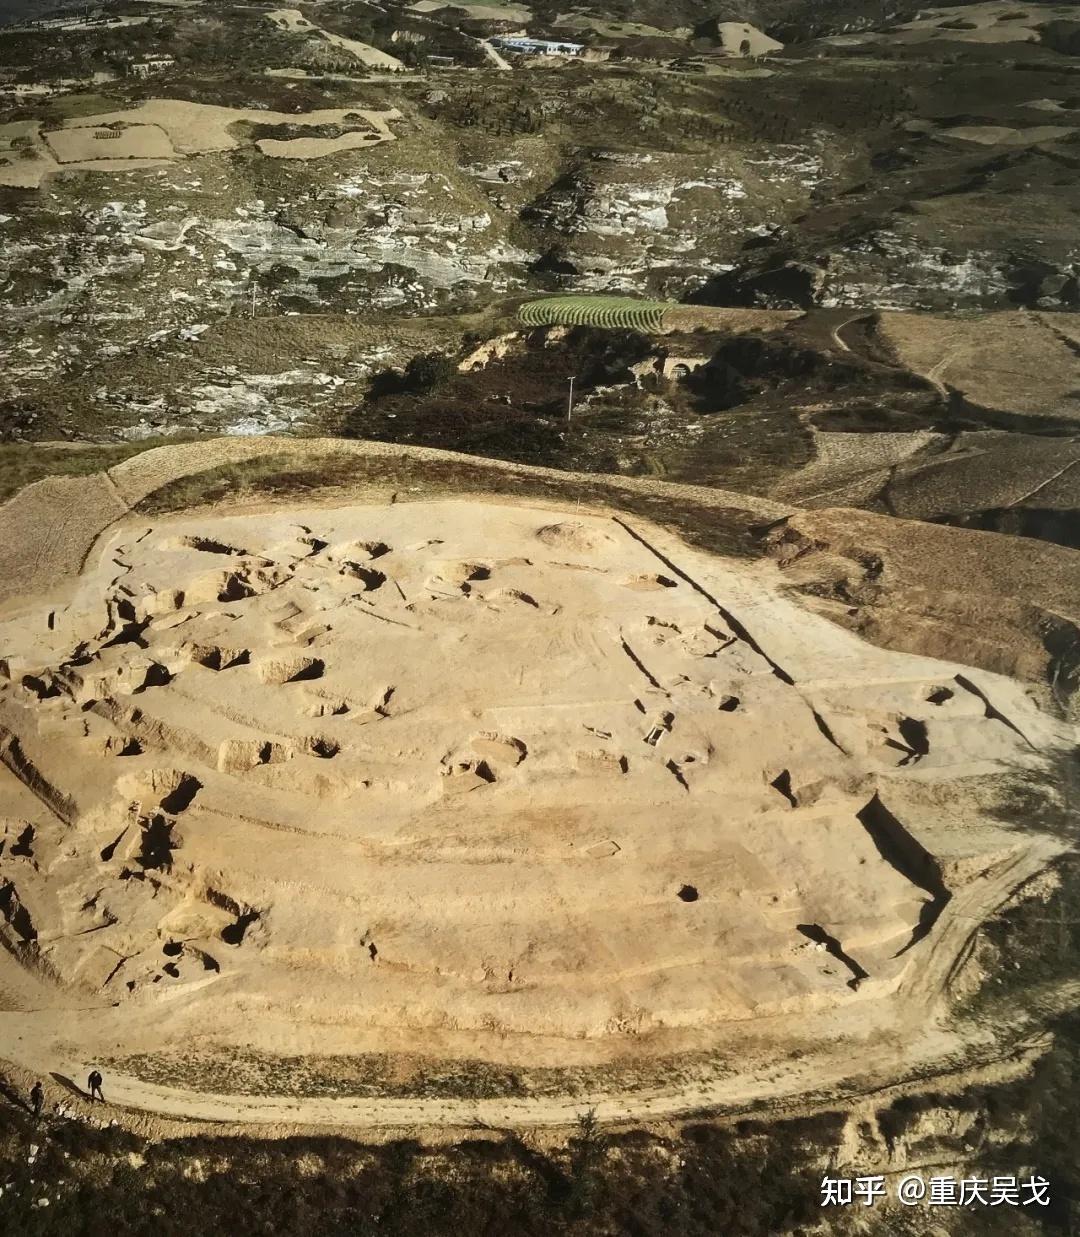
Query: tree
x=588 y=1151
x=425 y=373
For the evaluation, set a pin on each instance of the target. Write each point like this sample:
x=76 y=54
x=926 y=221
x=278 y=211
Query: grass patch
x=407 y=1076
x=23 y=463
x=67 y=107
x=719 y=529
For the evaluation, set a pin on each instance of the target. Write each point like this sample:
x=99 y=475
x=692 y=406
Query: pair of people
x=93 y=1087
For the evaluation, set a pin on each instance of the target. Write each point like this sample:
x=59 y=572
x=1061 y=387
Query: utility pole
x=570 y=405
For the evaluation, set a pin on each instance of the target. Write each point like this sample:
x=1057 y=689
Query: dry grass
x=720 y=529
x=401 y=1076
x=702 y=1180
x=23 y=463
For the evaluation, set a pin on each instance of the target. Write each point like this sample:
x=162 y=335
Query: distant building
x=538 y=47
x=144 y=66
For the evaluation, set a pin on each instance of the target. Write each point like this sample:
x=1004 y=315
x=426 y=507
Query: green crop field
x=623 y=312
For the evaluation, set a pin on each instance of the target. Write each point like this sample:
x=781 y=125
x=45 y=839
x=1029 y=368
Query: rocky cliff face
x=100 y=267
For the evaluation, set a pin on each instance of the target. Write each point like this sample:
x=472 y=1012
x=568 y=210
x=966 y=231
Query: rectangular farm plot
x=316 y=147
x=85 y=144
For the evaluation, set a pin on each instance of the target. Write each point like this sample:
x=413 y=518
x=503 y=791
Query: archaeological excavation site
x=320 y=801
x=539 y=618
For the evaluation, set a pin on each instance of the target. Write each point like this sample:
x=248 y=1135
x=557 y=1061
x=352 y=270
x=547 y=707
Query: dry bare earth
x=992 y=22
x=293 y=21
x=344 y=779
x=164 y=130
x=1027 y=363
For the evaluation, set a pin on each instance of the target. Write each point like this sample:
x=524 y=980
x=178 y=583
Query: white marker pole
x=570 y=405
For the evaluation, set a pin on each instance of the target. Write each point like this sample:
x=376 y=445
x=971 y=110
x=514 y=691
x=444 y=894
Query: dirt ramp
x=47 y=530
x=142 y=474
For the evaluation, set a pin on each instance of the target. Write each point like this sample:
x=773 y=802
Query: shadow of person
x=73 y=1087
x=13 y=1097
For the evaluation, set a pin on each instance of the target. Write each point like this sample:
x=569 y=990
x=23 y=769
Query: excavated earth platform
x=468 y=780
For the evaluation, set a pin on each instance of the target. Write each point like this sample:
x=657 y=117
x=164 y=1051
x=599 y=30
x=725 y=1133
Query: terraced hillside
x=620 y=312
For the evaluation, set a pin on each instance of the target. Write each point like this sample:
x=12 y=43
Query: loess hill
x=461 y=780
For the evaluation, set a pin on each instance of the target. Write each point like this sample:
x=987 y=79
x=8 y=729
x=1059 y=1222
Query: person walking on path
x=37 y=1099
x=93 y=1085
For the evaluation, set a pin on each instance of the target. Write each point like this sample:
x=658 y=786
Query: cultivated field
x=649 y=317
x=128 y=142
x=601 y=311
x=293 y=21
x=161 y=130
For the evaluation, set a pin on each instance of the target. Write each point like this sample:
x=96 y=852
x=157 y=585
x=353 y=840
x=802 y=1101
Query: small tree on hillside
x=588 y=1150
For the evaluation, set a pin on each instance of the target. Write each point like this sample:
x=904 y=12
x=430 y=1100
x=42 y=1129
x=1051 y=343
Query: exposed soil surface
x=280 y=653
